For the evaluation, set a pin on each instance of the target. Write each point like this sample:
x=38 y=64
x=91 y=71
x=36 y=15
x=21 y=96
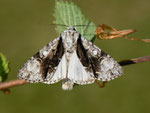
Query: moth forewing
x=104 y=67
x=42 y=66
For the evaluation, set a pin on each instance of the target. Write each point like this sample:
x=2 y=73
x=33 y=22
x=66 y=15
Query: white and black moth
x=72 y=59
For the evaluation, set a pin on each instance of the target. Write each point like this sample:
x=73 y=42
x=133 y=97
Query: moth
x=72 y=59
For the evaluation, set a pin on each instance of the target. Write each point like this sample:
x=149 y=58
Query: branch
x=5 y=85
x=134 y=61
x=13 y=83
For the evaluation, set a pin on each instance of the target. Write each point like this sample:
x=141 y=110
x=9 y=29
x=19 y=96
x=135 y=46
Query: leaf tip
x=4 y=68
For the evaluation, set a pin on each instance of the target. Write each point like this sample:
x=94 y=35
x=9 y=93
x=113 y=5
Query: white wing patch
x=77 y=72
x=59 y=74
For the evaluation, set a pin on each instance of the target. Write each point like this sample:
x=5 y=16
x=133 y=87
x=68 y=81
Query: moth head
x=70 y=37
x=71 y=28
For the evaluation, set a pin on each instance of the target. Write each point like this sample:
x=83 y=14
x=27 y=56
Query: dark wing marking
x=82 y=53
x=52 y=60
x=91 y=63
x=43 y=62
x=103 y=66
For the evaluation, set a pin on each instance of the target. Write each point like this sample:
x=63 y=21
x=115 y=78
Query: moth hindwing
x=72 y=59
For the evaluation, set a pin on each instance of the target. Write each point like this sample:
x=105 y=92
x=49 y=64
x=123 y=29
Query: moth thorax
x=70 y=42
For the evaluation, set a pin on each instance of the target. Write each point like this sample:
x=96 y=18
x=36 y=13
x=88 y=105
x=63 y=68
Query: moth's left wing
x=102 y=65
x=45 y=66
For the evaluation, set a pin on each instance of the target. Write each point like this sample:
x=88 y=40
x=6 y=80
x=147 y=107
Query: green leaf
x=67 y=13
x=4 y=68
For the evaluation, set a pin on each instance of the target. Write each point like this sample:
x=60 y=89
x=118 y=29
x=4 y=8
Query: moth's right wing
x=42 y=67
x=102 y=65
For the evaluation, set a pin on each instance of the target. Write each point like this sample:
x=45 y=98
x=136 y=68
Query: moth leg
x=101 y=85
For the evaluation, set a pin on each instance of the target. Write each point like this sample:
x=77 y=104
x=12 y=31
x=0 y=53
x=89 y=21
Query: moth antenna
x=87 y=25
x=60 y=25
x=82 y=26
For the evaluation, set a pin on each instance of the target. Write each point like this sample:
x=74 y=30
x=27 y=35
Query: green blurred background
x=25 y=28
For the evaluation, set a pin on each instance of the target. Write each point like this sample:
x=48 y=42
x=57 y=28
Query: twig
x=18 y=82
x=12 y=83
x=135 y=60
